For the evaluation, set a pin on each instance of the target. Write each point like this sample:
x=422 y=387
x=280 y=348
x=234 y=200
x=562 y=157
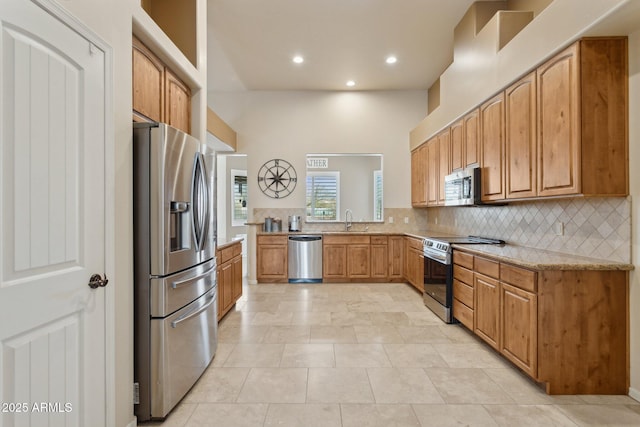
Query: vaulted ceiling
x=251 y=43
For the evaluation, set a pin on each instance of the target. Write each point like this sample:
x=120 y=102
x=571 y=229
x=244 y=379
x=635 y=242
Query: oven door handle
x=194 y=313
x=436 y=257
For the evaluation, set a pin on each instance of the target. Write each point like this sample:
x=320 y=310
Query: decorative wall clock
x=277 y=178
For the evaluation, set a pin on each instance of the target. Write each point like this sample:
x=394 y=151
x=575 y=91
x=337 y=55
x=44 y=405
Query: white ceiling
x=251 y=43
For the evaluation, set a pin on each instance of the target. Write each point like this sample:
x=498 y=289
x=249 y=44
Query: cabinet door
x=419 y=270
x=416 y=269
x=177 y=103
x=225 y=283
x=520 y=141
x=147 y=83
x=334 y=261
x=419 y=176
x=471 y=139
x=407 y=264
x=272 y=263
x=558 y=125
x=520 y=328
x=492 y=148
x=487 y=309
x=220 y=284
x=457 y=146
x=236 y=288
x=444 y=162
x=396 y=258
x=433 y=161
x=359 y=261
x=379 y=261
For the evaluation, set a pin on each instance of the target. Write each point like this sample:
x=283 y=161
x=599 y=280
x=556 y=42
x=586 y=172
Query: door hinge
x=136 y=393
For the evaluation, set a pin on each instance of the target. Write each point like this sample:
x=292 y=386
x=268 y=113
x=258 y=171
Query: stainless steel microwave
x=462 y=188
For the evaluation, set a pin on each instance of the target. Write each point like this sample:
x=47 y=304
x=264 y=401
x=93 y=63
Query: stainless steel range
x=438 y=271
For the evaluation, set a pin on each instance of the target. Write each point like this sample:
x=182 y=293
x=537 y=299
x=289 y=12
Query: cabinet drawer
x=272 y=240
x=463 y=313
x=414 y=243
x=462 y=274
x=348 y=239
x=225 y=255
x=378 y=240
x=463 y=293
x=519 y=277
x=463 y=259
x=487 y=267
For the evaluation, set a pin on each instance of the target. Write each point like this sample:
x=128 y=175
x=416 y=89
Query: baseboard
x=252 y=282
x=133 y=422
x=634 y=394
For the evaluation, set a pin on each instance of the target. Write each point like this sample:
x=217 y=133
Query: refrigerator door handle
x=194 y=313
x=179 y=283
x=200 y=196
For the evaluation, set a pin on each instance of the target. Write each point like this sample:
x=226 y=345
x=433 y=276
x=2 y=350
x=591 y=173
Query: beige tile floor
x=367 y=355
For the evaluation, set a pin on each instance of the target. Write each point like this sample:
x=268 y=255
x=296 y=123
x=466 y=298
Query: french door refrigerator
x=175 y=286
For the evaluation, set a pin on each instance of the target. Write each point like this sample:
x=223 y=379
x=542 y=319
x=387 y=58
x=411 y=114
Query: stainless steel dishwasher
x=305 y=258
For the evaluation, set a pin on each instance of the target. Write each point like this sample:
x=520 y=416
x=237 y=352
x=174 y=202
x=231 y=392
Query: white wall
x=481 y=71
x=288 y=125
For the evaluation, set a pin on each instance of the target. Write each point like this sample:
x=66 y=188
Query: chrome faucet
x=348 y=218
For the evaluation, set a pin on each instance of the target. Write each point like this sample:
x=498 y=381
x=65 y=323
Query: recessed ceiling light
x=351 y=83
x=391 y=60
x=298 y=59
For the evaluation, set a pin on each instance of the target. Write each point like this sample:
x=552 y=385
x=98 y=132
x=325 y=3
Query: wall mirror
x=337 y=182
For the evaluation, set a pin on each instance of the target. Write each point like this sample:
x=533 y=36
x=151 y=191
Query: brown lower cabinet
x=414 y=263
x=272 y=265
x=346 y=257
x=229 y=277
x=564 y=328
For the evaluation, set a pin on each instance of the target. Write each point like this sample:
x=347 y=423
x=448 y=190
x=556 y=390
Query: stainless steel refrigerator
x=175 y=286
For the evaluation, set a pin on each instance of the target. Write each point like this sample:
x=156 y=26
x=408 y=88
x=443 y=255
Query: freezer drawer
x=182 y=346
x=170 y=293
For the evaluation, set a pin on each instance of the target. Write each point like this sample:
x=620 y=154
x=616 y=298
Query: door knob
x=96 y=280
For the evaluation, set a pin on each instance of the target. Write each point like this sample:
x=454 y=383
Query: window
x=239 y=194
x=378 y=210
x=323 y=193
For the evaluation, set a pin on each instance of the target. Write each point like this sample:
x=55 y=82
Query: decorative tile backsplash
x=416 y=220
x=592 y=227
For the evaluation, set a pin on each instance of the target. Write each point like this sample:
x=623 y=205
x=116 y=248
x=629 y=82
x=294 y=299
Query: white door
x=52 y=136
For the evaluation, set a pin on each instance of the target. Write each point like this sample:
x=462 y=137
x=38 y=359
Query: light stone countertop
x=539 y=259
x=535 y=259
x=225 y=243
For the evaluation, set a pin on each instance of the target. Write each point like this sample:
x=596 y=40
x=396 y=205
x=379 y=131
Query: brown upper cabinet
x=471 y=140
x=157 y=93
x=561 y=130
x=148 y=82
x=457 y=146
x=433 y=161
x=582 y=120
x=419 y=176
x=492 y=148
x=520 y=130
x=444 y=162
x=465 y=146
